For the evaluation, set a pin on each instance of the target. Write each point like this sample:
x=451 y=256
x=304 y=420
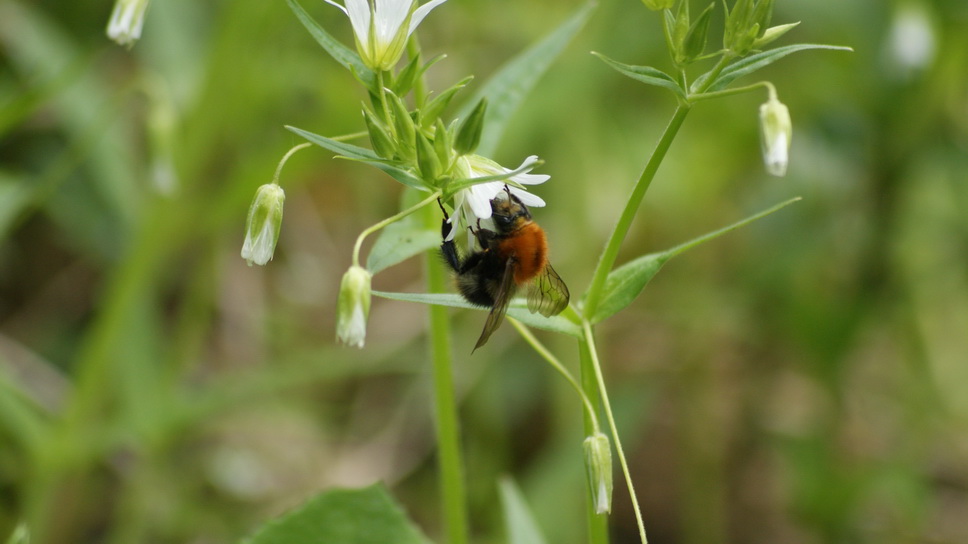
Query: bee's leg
x=447 y=248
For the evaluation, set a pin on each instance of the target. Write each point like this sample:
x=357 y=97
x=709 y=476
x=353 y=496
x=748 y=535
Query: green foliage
x=347 y=516
x=519 y=522
x=625 y=283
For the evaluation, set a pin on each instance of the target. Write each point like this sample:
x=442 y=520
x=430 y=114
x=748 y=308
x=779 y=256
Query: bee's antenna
x=507 y=190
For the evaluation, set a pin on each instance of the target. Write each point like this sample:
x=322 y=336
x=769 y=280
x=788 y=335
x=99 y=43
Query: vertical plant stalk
x=589 y=344
x=449 y=459
x=597 y=523
x=607 y=261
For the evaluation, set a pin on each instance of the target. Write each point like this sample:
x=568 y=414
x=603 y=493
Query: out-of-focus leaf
x=20 y=535
x=15 y=196
x=752 y=63
x=342 y=54
x=401 y=240
x=507 y=89
x=343 y=516
x=362 y=154
x=645 y=74
x=518 y=520
x=625 y=283
x=518 y=310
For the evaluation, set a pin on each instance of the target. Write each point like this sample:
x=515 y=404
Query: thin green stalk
x=556 y=364
x=597 y=523
x=607 y=261
x=392 y=219
x=449 y=460
x=589 y=343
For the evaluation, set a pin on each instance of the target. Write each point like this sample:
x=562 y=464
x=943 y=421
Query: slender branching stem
x=392 y=219
x=589 y=340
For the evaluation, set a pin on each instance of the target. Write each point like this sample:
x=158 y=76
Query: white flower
x=475 y=201
x=776 y=131
x=262 y=224
x=353 y=306
x=382 y=27
x=126 y=21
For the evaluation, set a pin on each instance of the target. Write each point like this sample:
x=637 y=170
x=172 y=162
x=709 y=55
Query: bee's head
x=508 y=212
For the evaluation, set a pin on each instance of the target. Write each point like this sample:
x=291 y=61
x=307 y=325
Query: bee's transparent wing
x=547 y=293
x=504 y=293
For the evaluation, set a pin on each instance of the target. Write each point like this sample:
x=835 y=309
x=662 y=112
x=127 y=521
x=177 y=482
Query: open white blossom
x=475 y=202
x=382 y=27
x=126 y=21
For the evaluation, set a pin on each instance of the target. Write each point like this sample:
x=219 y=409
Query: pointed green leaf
x=510 y=85
x=362 y=154
x=345 y=516
x=431 y=112
x=519 y=522
x=625 y=283
x=753 y=63
x=645 y=74
x=518 y=310
x=342 y=54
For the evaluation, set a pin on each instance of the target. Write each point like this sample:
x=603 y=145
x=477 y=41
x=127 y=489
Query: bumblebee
x=514 y=254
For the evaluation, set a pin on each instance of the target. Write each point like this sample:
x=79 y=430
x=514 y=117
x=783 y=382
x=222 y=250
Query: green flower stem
x=556 y=364
x=693 y=98
x=275 y=177
x=589 y=342
x=392 y=219
x=449 y=460
x=597 y=523
x=607 y=261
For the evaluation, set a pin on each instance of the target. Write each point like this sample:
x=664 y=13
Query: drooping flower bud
x=776 y=132
x=598 y=468
x=263 y=224
x=353 y=306
x=126 y=21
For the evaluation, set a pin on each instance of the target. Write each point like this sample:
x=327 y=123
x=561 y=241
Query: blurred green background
x=804 y=379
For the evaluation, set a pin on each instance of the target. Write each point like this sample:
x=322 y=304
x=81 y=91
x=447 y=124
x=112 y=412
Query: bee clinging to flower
x=514 y=254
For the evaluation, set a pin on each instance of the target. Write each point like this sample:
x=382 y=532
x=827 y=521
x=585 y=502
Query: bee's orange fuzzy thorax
x=529 y=248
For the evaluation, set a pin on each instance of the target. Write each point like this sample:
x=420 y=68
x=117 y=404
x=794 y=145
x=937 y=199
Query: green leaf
x=343 y=516
x=509 y=86
x=518 y=310
x=625 y=283
x=342 y=54
x=518 y=519
x=20 y=535
x=362 y=154
x=645 y=74
x=401 y=240
x=752 y=63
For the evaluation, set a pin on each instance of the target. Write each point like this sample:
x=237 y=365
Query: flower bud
x=776 y=131
x=263 y=223
x=127 y=18
x=657 y=5
x=469 y=133
x=353 y=306
x=598 y=467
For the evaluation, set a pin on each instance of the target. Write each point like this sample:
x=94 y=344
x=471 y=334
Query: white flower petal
x=359 y=14
x=389 y=16
x=528 y=199
x=530 y=179
x=421 y=12
x=330 y=2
